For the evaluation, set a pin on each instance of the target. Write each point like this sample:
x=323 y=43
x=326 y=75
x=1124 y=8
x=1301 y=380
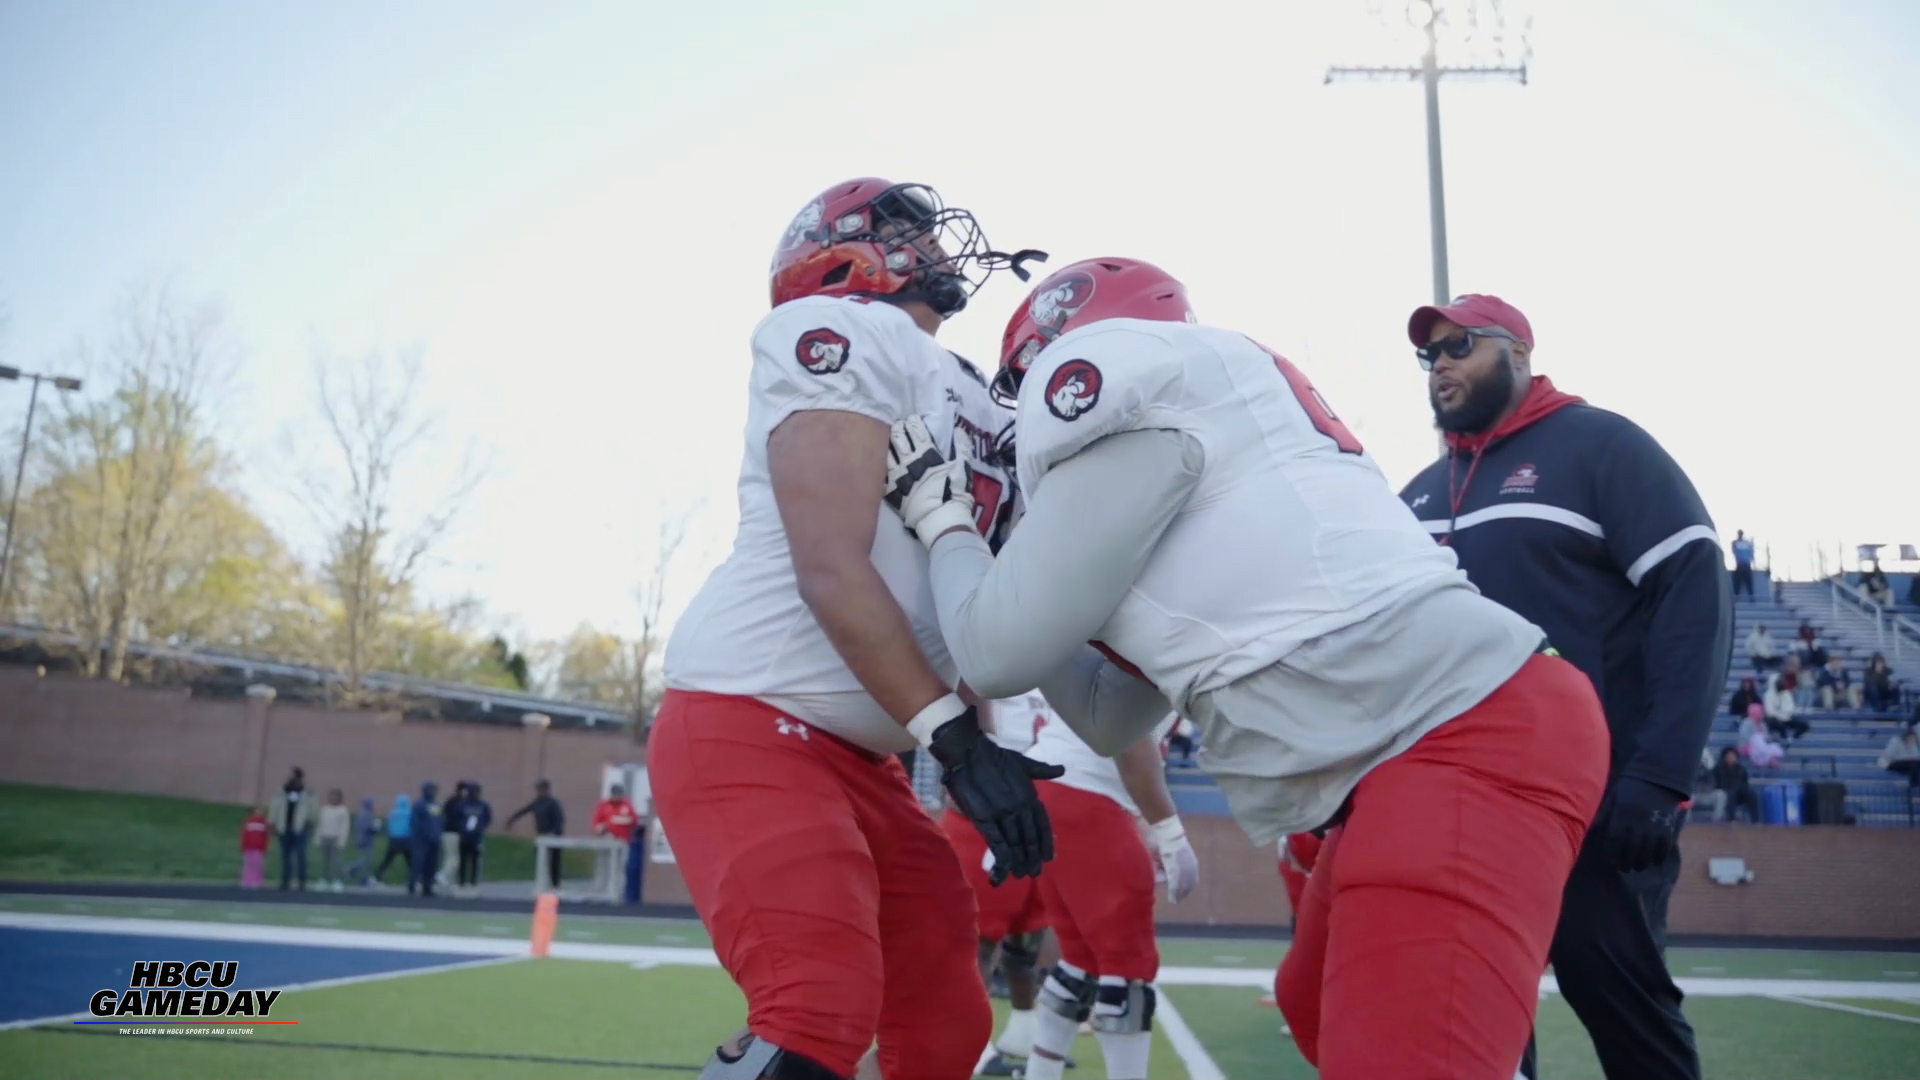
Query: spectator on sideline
x=1902 y=756
x=1876 y=586
x=1747 y=695
x=1742 y=565
x=336 y=825
x=1731 y=777
x=474 y=819
x=637 y=853
x=399 y=837
x=1836 y=685
x=293 y=816
x=615 y=816
x=1794 y=680
x=1781 y=721
x=549 y=819
x=366 y=827
x=449 y=854
x=1879 y=692
x=255 y=835
x=428 y=829
x=1761 y=649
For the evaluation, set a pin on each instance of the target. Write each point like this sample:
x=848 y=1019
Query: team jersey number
x=1318 y=411
x=986 y=502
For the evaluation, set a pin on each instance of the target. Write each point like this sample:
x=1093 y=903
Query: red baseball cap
x=1471 y=310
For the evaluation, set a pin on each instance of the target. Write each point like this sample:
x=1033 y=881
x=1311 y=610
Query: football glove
x=930 y=493
x=1643 y=824
x=1178 y=863
x=991 y=785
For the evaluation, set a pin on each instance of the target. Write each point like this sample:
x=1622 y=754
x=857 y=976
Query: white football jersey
x=981 y=426
x=1056 y=744
x=748 y=632
x=1293 y=532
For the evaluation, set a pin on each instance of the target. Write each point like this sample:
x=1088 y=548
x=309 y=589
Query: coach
x=1578 y=520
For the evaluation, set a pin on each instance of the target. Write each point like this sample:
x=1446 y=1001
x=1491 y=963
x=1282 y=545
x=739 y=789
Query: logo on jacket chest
x=1520 y=482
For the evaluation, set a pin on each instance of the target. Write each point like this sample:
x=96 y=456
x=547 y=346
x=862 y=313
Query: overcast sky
x=1705 y=208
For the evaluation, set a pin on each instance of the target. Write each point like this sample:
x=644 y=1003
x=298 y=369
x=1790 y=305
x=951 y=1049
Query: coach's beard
x=1482 y=403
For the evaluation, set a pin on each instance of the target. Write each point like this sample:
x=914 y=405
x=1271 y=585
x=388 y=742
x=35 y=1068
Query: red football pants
x=1099 y=887
x=1425 y=926
x=834 y=901
x=1011 y=907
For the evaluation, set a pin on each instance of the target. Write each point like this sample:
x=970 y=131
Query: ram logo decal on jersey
x=805 y=224
x=1051 y=309
x=1074 y=389
x=822 y=351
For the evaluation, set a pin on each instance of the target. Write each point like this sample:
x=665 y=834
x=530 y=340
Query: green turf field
x=580 y=1018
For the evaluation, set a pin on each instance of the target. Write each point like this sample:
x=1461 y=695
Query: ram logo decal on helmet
x=1052 y=307
x=806 y=224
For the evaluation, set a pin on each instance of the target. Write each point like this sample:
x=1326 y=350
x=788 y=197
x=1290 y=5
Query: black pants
x=396 y=849
x=469 y=872
x=1610 y=970
x=553 y=867
x=1743 y=797
x=1743 y=580
x=293 y=859
x=423 y=866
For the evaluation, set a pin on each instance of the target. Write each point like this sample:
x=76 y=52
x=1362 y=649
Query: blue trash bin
x=1773 y=804
x=1792 y=795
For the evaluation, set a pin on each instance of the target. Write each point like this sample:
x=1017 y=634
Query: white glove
x=930 y=493
x=1177 y=861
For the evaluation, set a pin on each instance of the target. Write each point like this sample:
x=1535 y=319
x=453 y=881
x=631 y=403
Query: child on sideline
x=336 y=824
x=254 y=837
x=366 y=828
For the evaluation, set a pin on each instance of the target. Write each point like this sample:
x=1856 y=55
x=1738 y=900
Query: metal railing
x=1890 y=629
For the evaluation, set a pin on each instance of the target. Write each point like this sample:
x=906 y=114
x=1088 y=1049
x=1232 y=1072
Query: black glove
x=1642 y=824
x=993 y=787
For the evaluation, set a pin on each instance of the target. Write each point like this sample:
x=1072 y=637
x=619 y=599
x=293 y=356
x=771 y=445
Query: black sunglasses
x=1456 y=345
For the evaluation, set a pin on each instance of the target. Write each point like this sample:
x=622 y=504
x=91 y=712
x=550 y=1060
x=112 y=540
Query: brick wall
x=81 y=733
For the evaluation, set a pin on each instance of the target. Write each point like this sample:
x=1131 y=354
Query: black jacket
x=548 y=818
x=1578 y=520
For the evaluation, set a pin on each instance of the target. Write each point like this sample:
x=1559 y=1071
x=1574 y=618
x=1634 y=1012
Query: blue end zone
x=56 y=972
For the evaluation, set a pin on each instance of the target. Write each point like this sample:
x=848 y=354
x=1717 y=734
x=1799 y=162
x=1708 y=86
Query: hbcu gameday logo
x=1073 y=389
x=176 y=988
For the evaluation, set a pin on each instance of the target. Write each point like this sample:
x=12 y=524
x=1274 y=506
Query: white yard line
x=318 y=984
x=1838 y=1007
x=1199 y=1063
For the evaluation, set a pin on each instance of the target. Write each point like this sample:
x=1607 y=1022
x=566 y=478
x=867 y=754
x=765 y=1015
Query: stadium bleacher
x=1844 y=744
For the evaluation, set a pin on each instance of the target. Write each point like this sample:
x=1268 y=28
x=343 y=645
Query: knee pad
x=1069 y=993
x=759 y=1059
x=1123 y=1006
x=1020 y=953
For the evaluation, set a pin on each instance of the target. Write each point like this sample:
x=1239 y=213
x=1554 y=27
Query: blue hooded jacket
x=427 y=824
x=366 y=824
x=400 y=822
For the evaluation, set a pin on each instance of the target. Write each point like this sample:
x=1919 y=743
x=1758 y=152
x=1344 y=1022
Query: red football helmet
x=1086 y=292
x=870 y=237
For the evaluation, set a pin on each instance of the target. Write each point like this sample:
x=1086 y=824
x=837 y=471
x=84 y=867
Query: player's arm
x=828 y=468
x=1109 y=707
x=1144 y=776
x=1087 y=534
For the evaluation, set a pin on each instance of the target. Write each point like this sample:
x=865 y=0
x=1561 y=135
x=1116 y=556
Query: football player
x=811 y=657
x=1196 y=510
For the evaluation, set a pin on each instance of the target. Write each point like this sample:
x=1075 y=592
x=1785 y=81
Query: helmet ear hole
x=838 y=274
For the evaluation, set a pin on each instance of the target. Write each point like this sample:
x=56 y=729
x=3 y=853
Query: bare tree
x=135 y=465
x=652 y=596
x=375 y=551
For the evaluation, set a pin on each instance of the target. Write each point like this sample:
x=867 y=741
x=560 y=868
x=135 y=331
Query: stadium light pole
x=1487 y=33
x=60 y=382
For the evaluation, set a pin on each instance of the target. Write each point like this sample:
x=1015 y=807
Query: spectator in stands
x=366 y=828
x=1879 y=692
x=1781 y=721
x=476 y=817
x=255 y=835
x=293 y=816
x=1807 y=646
x=428 y=829
x=336 y=827
x=1795 y=681
x=1874 y=583
x=1836 y=685
x=1742 y=565
x=1761 y=649
x=1707 y=798
x=1747 y=696
x=1902 y=756
x=1730 y=776
x=399 y=837
x=549 y=819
